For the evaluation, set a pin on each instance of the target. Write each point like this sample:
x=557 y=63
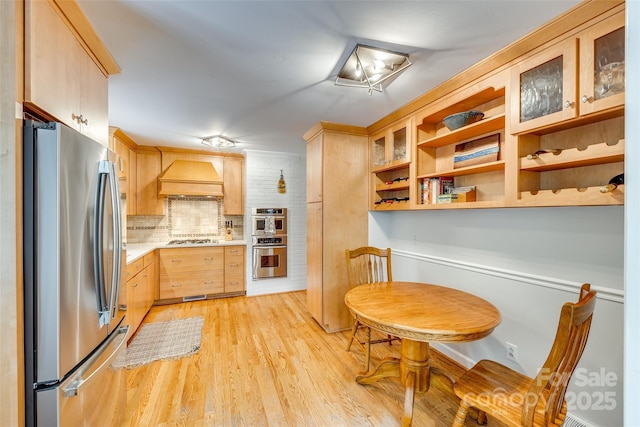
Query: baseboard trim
x=605 y=293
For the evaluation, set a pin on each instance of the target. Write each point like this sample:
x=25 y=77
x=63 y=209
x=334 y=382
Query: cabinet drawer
x=149 y=258
x=134 y=268
x=234 y=282
x=197 y=283
x=191 y=259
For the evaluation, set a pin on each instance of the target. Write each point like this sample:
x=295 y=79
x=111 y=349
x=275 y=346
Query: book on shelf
x=434 y=187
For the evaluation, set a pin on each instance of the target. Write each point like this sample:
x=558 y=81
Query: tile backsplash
x=187 y=217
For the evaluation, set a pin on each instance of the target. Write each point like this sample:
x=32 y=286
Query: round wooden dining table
x=418 y=313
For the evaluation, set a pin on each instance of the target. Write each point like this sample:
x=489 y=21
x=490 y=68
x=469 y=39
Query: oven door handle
x=269 y=247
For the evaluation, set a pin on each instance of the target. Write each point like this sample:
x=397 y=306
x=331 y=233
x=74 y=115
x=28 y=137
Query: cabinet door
x=390 y=147
x=94 y=103
x=314 y=260
x=543 y=88
x=314 y=169
x=602 y=66
x=147 y=171
x=233 y=185
x=132 y=183
x=51 y=57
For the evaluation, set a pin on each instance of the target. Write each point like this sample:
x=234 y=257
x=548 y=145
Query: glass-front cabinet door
x=543 y=88
x=390 y=147
x=602 y=66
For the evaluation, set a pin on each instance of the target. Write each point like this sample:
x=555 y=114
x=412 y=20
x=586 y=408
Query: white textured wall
x=262 y=173
x=527 y=262
x=632 y=213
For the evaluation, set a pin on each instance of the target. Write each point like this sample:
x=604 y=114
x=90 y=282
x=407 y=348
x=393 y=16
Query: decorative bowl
x=458 y=120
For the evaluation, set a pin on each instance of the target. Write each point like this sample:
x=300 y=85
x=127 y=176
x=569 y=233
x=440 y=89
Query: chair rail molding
x=605 y=293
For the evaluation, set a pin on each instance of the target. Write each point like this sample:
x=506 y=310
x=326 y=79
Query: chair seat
x=509 y=391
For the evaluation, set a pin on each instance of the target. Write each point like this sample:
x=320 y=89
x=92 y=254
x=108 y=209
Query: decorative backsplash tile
x=187 y=217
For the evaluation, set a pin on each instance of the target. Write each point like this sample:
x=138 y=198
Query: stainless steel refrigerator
x=73 y=271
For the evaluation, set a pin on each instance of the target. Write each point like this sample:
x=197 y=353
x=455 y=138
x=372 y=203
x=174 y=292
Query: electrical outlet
x=512 y=352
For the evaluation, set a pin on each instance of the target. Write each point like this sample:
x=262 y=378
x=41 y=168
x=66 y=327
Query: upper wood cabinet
x=391 y=147
x=233 y=185
x=66 y=74
x=148 y=168
x=552 y=133
x=602 y=66
x=579 y=76
x=390 y=153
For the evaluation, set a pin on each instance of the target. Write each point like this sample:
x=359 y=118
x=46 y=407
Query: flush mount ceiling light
x=218 y=142
x=369 y=66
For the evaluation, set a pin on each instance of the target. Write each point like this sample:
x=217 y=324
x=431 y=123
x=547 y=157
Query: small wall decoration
x=478 y=151
x=282 y=186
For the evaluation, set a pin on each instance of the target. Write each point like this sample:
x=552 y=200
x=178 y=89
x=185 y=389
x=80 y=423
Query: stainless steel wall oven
x=269 y=242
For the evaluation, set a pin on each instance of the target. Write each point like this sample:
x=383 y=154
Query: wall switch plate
x=512 y=352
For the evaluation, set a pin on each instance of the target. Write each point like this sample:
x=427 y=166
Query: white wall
x=527 y=262
x=632 y=225
x=262 y=174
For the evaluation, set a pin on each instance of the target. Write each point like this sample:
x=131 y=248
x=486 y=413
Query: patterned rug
x=161 y=341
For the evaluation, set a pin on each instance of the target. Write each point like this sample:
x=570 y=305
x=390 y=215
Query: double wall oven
x=269 y=236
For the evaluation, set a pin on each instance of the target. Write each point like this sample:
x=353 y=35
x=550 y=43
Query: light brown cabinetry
x=141 y=289
x=553 y=105
x=62 y=80
x=336 y=216
x=191 y=272
x=233 y=185
x=148 y=168
x=437 y=145
x=123 y=146
x=390 y=153
x=565 y=158
x=579 y=76
x=234 y=269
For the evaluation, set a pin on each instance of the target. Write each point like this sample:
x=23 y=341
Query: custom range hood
x=190 y=178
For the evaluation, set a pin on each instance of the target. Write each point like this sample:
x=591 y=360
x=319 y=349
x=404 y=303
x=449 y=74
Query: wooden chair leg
x=367 y=356
x=458 y=421
x=353 y=334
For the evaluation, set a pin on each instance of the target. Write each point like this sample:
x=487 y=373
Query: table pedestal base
x=413 y=369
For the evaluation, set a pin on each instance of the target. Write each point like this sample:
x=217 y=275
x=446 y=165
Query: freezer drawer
x=94 y=395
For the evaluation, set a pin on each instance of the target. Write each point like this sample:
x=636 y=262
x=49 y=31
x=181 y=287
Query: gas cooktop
x=186 y=242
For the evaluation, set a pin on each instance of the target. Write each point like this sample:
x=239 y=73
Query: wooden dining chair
x=368 y=265
x=518 y=400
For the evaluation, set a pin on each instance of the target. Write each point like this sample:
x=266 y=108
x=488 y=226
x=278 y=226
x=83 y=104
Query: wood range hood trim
x=190 y=178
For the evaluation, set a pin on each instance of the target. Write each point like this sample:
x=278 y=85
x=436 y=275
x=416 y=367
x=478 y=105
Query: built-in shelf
x=470 y=170
x=573 y=157
x=484 y=126
x=588 y=196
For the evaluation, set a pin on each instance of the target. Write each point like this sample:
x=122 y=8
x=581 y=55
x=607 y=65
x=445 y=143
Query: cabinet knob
x=209 y=259
x=585 y=99
x=176 y=260
x=176 y=286
x=568 y=104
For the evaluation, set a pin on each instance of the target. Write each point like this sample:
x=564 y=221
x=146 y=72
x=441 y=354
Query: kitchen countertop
x=137 y=250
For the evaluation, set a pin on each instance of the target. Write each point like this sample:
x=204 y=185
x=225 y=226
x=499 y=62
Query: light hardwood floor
x=264 y=361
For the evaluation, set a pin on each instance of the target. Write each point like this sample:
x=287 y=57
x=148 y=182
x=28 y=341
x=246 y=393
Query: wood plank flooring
x=264 y=361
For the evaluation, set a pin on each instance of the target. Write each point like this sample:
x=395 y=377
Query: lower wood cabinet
x=234 y=269
x=141 y=286
x=199 y=272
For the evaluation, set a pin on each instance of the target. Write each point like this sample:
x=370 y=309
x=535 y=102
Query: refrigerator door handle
x=98 y=243
x=117 y=240
x=74 y=386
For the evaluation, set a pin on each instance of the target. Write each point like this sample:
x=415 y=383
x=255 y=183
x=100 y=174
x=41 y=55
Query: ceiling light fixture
x=369 y=67
x=218 y=142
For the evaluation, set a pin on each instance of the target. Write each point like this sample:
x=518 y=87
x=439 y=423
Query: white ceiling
x=262 y=72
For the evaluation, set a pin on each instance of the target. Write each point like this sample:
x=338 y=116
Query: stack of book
x=441 y=190
x=432 y=188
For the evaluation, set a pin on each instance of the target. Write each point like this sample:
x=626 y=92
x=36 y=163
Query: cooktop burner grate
x=191 y=242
